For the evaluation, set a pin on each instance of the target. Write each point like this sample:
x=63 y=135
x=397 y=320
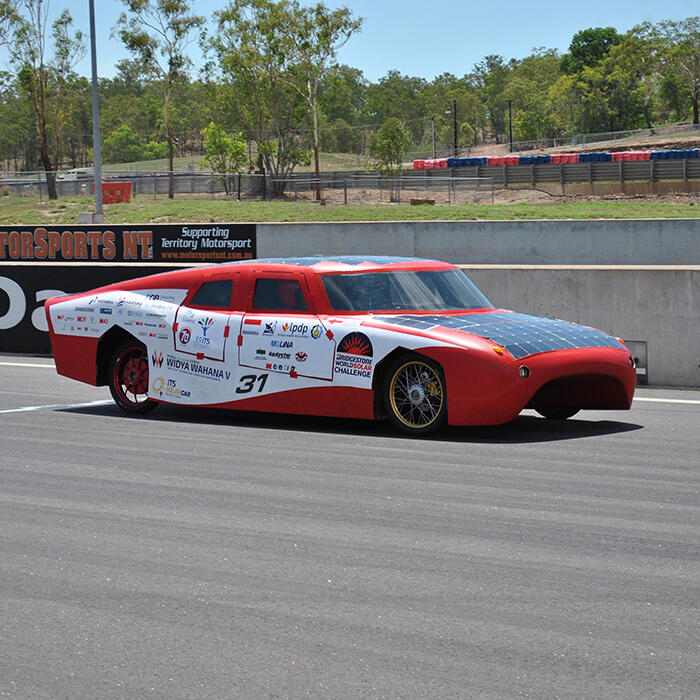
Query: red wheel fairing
x=128 y=381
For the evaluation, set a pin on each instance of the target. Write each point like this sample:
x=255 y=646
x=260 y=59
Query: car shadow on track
x=524 y=429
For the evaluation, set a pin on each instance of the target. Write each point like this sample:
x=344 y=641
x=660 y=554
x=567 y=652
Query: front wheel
x=415 y=396
x=128 y=378
x=557 y=413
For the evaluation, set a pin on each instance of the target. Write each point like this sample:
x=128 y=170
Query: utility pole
x=96 y=142
x=454 y=125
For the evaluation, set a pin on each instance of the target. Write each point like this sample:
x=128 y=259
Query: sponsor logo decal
x=270 y=327
x=356 y=344
x=105 y=311
x=184 y=336
x=301 y=357
x=354 y=356
x=206 y=324
x=280 y=355
x=157 y=358
x=198 y=369
x=169 y=387
x=275 y=367
x=316 y=331
x=281 y=343
x=260 y=352
x=296 y=330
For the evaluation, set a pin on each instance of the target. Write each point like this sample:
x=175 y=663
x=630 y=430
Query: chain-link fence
x=376 y=189
x=458 y=186
x=342 y=188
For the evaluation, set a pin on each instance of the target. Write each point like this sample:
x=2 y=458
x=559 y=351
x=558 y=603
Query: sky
x=421 y=38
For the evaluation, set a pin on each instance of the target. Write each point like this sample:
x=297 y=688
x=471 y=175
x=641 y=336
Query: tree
x=158 y=32
x=588 y=47
x=398 y=96
x=225 y=153
x=527 y=86
x=491 y=75
x=253 y=91
x=122 y=145
x=44 y=79
x=435 y=98
x=315 y=34
x=388 y=146
x=638 y=56
x=680 y=52
x=8 y=17
x=343 y=95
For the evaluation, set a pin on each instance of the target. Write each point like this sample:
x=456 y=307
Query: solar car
x=413 y=341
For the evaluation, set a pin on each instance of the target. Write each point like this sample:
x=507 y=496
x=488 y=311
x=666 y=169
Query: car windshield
x=422 y=290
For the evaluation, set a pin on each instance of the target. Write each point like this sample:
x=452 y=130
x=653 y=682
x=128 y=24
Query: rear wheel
x=557 y=413
x=128 y=378
x=415 y=395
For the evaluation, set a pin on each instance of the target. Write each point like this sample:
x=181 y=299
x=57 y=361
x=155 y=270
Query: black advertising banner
x=177 y=243
x=25 y=283
x=24 y=289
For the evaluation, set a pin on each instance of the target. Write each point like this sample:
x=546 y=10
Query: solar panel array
x=520 y=334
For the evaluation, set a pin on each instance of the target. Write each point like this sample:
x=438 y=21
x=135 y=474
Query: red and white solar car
x=367 y=337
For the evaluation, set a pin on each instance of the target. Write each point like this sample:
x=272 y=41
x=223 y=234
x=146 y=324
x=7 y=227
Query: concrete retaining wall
x=605 y=242
x=634 y=279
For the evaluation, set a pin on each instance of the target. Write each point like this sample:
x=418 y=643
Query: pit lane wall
x=634 y=279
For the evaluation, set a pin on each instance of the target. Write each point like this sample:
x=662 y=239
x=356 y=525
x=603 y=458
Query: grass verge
x=144 y=209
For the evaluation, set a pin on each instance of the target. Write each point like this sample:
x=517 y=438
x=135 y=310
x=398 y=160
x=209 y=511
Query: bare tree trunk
x=48 y=169
x=317 y=167
x=51 y=184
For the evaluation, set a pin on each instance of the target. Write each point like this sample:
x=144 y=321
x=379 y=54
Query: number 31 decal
x=247 y=383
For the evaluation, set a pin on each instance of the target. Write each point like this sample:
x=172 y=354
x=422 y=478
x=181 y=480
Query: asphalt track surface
x=202 y=554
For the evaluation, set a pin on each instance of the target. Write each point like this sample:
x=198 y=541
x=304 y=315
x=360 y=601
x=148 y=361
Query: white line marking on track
x=101 y=402
x=686 y=401
x=25 y=364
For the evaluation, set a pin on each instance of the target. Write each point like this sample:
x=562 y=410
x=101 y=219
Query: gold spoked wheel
x=416 y=396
